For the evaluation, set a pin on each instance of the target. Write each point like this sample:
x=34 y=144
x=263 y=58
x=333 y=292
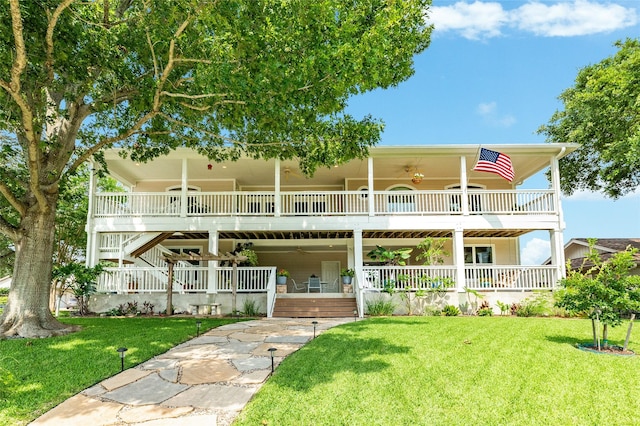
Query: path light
x=355 y=315
x=314 y=328
x=272 y=350
x=198 y=324
x=121 y=351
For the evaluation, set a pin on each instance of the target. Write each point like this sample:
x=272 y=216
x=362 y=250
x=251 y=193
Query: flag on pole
x=495 y=162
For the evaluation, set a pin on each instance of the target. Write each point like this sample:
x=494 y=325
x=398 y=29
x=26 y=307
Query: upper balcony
x=186 y=184
x=324 y=203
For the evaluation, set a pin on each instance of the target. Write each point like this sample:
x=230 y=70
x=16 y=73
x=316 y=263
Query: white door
x=330 y=270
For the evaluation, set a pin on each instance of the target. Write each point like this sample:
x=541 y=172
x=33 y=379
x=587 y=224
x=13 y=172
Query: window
x=474 y=199
x=478 y=255
x=402 y=202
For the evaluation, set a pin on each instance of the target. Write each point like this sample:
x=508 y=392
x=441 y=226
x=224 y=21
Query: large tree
x=265 y=78
x=602 y=113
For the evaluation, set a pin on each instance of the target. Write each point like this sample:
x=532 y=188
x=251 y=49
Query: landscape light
x=121 y=351
x=314 y=328
x=272 y=350
x=198 y=324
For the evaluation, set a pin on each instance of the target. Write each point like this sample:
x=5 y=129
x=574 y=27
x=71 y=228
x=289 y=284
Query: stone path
x=205 y=381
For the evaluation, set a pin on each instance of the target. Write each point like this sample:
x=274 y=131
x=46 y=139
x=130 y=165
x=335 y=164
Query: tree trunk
x=27 y=313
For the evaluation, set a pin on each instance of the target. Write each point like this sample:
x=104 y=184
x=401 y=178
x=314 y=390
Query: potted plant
x=281 y=276
x=417 y=177
x=347 y=275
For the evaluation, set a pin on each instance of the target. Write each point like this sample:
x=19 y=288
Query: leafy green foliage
x=380 y=306
x=603 y=290
x=250 y=308
x=264 y=78
x=601 y=113
x=390 y=257
x=450 y=311
x=432 y=251
x=79 y=279
x=540 y=304
x=484 y=310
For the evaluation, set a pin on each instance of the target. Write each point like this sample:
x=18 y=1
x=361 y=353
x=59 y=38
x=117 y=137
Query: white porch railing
x=193 y=279
x=379 y=278
x=499 y=277
x=495 y=277
x=319 y=203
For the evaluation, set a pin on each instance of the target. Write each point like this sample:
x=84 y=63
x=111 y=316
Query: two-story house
x=316 y=226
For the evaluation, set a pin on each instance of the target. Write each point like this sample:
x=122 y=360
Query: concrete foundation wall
x=460 y=300
x=182 y=303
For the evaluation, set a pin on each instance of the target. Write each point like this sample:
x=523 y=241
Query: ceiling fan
x=288 y=172
x=299 y=250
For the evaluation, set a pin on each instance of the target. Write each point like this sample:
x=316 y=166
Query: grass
x=451 y=371
x=37 y=374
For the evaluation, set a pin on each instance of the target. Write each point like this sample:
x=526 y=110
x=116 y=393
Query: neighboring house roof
x=607 y=247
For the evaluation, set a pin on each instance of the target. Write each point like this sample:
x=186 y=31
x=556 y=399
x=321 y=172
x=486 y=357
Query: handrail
x=325 y=203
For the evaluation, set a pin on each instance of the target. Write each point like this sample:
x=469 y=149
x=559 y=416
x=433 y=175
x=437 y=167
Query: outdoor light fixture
x=314 y=328
x=121 y=351
x=355 y=315
x=272 y=350
x=198 y=324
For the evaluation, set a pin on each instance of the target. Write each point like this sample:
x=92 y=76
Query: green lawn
x=451 y=371
x=37 y=374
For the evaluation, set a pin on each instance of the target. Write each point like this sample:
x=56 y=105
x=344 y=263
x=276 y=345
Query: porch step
x=312 y=307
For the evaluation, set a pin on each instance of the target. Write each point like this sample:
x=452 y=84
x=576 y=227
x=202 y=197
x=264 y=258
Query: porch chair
x=297 y=287
x=314 y=284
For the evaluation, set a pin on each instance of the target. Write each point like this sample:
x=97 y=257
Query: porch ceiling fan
x=288 y=172
x=299 y=250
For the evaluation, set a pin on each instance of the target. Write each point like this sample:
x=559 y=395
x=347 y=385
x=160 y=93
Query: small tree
x=432 y=251
x=80 y=280
x=603 y=290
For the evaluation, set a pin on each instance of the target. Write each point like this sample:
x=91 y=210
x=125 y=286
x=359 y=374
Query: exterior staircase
x=314 y=307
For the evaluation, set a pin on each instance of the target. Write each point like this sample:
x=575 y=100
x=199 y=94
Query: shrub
x=451 y=311
x=4 y=291
x=380 y=307
x=250 y=308
x=485 y=310
x=538 y=305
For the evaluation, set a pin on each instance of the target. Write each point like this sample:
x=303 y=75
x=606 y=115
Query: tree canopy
x=264 y=78
x=602 y=113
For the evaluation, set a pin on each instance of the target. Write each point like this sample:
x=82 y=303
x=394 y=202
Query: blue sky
x=493 y=73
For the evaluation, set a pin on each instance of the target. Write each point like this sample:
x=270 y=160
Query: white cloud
x=581 y=17
x=535 y=252
x=489 y=112
x=479 y=20
x=473 y=20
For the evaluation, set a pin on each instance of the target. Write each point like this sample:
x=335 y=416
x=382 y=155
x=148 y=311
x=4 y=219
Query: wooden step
x=314 y=307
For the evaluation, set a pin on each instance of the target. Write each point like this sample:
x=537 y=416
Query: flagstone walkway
x=205 y=381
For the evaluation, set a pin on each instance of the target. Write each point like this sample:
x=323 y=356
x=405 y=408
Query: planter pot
x=281 y=280
x=347 y=280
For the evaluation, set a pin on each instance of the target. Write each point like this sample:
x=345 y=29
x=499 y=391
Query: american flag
x=495 y=162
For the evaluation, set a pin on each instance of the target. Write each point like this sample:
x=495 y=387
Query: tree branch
x=15 y=203
x=49 y=37
x=14 y=90
x=9 y=230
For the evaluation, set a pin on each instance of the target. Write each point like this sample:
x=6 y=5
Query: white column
x=357 y=266
x=370 y=186
x=463 y=185
x=556 y=237
x=277 y=202
x=212 y=265
x=557 y=253
x=458 y=257
x=91 y=255
x=183 y=189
